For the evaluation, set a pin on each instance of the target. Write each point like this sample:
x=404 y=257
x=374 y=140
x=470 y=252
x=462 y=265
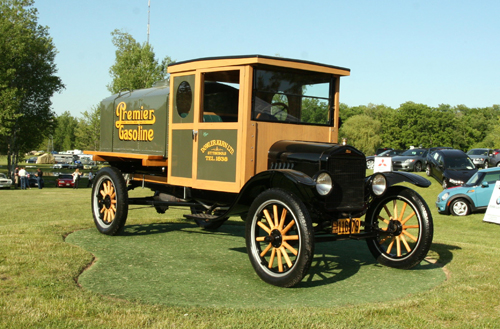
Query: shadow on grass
x=332 y=262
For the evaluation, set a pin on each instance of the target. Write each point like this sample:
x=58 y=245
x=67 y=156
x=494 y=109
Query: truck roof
x=212 y=62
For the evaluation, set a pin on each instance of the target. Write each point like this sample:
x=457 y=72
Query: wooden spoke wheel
x=404 y=225
x=109 y=201
x=279 y=238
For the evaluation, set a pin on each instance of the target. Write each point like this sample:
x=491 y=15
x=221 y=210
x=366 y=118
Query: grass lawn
x=40 y=275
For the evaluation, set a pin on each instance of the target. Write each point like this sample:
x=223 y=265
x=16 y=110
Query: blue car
x=472 y=196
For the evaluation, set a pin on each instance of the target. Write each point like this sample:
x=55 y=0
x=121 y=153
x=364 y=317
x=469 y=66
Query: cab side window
x=220 y=99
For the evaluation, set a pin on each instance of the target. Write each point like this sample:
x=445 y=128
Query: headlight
x=456 y=182
x=445 y=196
x=409 y=160
x=324 y=183
x=379 y=184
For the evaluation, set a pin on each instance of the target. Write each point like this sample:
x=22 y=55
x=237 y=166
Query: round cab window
x=184 y=99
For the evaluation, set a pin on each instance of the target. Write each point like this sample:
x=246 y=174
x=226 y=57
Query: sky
x=429 y=52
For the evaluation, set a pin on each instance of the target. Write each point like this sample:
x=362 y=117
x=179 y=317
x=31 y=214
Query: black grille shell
x=348 y=174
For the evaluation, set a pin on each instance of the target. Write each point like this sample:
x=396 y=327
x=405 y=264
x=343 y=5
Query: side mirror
x=485 y=184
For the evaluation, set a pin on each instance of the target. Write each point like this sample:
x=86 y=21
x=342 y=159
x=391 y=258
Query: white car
x=4 y=181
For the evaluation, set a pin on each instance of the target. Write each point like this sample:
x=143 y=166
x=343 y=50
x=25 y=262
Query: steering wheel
x=284 y=109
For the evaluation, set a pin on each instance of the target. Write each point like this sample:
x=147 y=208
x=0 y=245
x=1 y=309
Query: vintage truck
x=255 y=137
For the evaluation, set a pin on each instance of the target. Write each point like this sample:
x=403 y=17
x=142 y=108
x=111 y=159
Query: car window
x=65 y=176
x=491 y=177
x=413 y=152
x=459 y=163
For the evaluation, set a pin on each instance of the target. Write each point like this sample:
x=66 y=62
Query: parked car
x=4 y=181
x=473 y=196
x=32 y=160
x=480 y=157
x=410 y=160
x=64 y=180
x=60 y=165
x=494 y=158
x=33 y=181
x=450 y=167
x=370 y=160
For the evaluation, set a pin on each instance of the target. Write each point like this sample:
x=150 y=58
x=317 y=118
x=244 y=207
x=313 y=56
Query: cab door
x=206 y=136
x=181 y=130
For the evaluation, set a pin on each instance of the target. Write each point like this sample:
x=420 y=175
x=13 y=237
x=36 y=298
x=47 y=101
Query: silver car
x=480 y=157
x=4 y=181
x=411 y=160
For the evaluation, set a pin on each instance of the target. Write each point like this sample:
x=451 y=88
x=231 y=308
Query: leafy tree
x=135 y=66
x=64 y=134
x=314 y=111
x=362 y=132
x=27 y=78
x=88 y=130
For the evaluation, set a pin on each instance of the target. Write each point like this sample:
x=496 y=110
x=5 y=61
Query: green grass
x=39 y=272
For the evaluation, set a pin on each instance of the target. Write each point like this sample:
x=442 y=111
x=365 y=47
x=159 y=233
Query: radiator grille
x=348 y=176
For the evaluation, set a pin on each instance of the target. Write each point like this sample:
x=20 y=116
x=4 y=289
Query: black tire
x=285 y=232
x=498 y=164
x=486 y=164
x=460 y=207
x=109 y=201
x=418 y=167
x=410 y=233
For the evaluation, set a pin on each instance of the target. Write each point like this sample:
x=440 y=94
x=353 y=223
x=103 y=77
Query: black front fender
x=395 y=177
x=294 y=181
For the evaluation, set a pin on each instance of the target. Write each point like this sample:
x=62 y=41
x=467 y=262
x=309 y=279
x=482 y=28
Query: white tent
x=46 y=158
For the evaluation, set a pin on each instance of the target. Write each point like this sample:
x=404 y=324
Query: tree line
x=368 y=127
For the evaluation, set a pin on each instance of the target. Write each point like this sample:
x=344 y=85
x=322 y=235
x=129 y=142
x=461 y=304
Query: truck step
x=206 y=217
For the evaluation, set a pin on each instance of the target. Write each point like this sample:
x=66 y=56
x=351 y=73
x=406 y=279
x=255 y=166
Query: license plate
x=67 y=184
x=346 y=226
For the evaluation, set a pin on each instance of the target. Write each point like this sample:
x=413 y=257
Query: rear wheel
x=404 y=225
x=109 y=201
x=279 y=238
x=459 y=207
x=418 y=167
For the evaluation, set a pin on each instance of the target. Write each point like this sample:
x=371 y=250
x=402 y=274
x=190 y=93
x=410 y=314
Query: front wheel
x=459 y=207
x=404 y=225
x=279 y=237
x=486 y=165
x=428 y=170
x=370 y=164
x=109 y=201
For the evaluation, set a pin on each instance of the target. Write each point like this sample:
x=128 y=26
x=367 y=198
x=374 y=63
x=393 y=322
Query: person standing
x=22 y=176
x=91 y=177
x=16 y=177
x=39 y=177
x=76 y=178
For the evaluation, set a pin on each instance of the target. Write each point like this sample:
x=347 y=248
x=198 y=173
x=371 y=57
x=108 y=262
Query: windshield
x=459 y=164
x=414 y=152
x=478 y=152
x=475 y=179
x=292 y=97
x=388 y=152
